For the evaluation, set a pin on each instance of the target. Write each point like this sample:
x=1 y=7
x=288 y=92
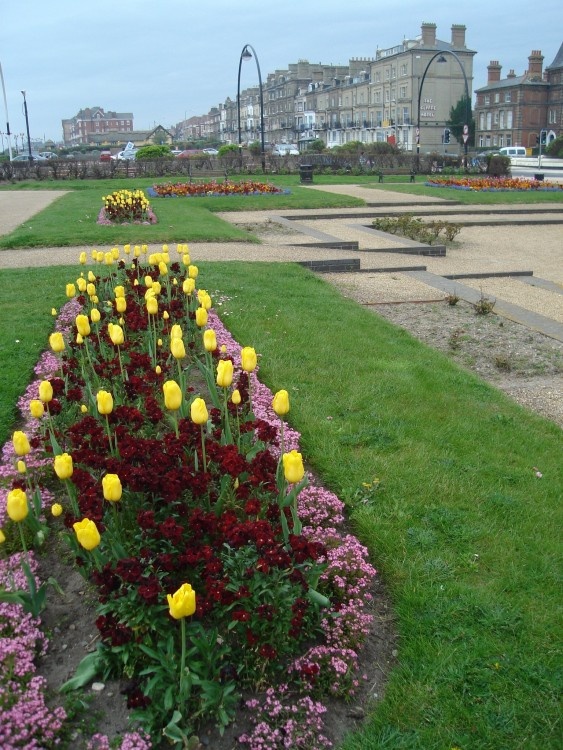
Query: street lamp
x=247 y=52
x=7 y=118
x=27 y=127
x=442 y=59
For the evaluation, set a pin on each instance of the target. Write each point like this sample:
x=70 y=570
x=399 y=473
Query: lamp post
x=442 y=59
x=27 y=127
x=7 y=118
x=247 y=52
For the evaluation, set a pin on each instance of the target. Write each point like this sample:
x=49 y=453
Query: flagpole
x=6 y=110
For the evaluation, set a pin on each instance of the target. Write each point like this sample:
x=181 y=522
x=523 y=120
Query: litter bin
x=538 y=177
x=306 y=172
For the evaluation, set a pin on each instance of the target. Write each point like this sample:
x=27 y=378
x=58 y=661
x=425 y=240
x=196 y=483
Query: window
x=387 y=74
x=552 y=117
x=402 y=92
x=487 y=98
x=378 y=97
x=489 y=120
x=482 y=121
x=495 y=119
x=501 y=118
x=406 y=116
x=508 y=96
x=387 y=96
x=403 y=69
x=497 y=98
x=378 y=77
x=509 y=122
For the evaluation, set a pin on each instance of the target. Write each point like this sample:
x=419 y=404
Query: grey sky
x=167 y=59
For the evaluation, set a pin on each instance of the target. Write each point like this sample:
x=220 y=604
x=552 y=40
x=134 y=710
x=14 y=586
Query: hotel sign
x=427 y=108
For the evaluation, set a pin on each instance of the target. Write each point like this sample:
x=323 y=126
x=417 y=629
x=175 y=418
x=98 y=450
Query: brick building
x=94 y=121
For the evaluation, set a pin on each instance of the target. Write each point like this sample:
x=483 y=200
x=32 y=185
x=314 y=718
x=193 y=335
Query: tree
x=456 y=122
x=317 y=146
x=153 y=152
x=555 y=148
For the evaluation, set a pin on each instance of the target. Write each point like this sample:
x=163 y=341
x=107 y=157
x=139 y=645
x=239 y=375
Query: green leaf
x=88 y=668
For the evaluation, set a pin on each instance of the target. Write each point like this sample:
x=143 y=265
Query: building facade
x=513 y=111
x=94 y=121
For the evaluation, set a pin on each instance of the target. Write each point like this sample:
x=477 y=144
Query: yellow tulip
x=158 y=369
x=57 y=342
x=82 y=258
x=206 y=301
x=201 y=317
x=81 y=284
x=248 y=359
x=70 y=290
x=165 y=315
x=115 y=253
x=83 y=325
x=56 y=509
x=84 y=409
x=108 y=258
x=188 y=286
x=119 y=291
x=116 y=334
x=105 y=402
x=121 y=304
x=182 y=602
x=198 y=411
x=2 y=537
x=193 y=272
x=224 y=373
x=54 y=312
x=209 y=340
x=148 y=281
x=152 y=306
x=20 y=443
x=172 y=395
x=91 y=276
x=111 y=485
x=280 y=403
x=95 y=315
x=87 y=533
x=293 y=467
x=177 y=348
x=235 y=397
x=63 y=466
x=162 y=268
x=176 y=332
x=90 y=289
x=16 y=505
x=36 y=408
x=45 y=391
x=186 y=260
x=21 y=467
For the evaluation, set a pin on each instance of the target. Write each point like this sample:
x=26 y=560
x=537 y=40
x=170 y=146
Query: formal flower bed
x=169 y=471
x=205 y=189
x=126 y=207
x=492 y=183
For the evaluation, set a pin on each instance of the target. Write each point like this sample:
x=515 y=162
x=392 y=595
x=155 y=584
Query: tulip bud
x=193 y=272
x=182 y=602
x=176 y=331
x=91 y=276
x=158 y=369
x=56 y=509
x=63 y=466
x=105 y=402
x=90 y=289
x=152 y=306
x=121 y=304
x=119 y=291
x=81 y=284
x=45 y=391
x=95 y=315
x=57 y=342
x=280 y=403
x=235 y=397
x=54 y=312
x=209 y=340
x=198 y=411
x=111 y=485
x=20 y=443
x=206 y=301
x=70 y=290
x=21 y=467
x=157 y=287
x=36 y=408
x=115 y=334
x=224 y=373
x=126 y=249
x=201 y=317
x=248 y=359
x=293 y=467
x=148 y=281
x=165 y=315
x=82 y=258
x=84 y=409
x=16 y=505
x=82 y=325
x=177 y=348
x=87 y=533
x=188 y=286
x=186 y=259
x=2 y=537
x=162 y=268
x=172 y=395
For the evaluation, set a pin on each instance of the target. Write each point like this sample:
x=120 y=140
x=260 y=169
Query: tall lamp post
x=247 y=52
x=27 y=127
x=442 y=59
x=7 y=118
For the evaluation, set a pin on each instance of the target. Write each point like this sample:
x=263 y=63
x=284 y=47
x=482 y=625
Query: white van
x=514 y=152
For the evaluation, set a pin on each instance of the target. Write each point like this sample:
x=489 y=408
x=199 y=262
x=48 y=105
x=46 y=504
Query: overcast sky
x=169 y=59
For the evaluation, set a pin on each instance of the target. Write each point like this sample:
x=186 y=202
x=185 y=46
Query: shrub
x=153 y=152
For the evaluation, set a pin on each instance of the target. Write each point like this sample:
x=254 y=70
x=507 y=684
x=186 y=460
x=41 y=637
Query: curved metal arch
x=245 y=55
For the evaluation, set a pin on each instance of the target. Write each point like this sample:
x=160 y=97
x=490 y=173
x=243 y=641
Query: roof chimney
x=428 y=34
x=535 y=65
x=458 y=35
x=493 y=71
x=511 y=73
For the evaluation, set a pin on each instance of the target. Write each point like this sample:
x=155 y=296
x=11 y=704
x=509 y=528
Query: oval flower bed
x=218 y=560
x=126 y=207
x=205 y=189
x=492 y=184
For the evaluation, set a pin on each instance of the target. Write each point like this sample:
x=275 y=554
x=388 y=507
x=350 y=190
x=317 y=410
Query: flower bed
x=492 y=184
x=218 y=560
x=213 y=188
x=126 y=207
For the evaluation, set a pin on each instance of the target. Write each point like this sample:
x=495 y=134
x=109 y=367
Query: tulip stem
x=282 y=448
x=204 y=457
x=183 y=696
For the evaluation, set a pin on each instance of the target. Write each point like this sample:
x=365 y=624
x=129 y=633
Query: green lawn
x=465 y=536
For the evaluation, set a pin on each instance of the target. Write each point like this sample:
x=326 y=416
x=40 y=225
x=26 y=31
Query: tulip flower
x=87 y=533
x=201 y=317
x=105 y=402
x=36 y=408
x=172 y=395
x=111 y=485
x=70 y=290
x=188 y=286
x=176 y=331
x=45 y=391
x=120 y=304
x=91 y=276
x=21 y=467
x=81 y=284
x=182 y=602
x=54 y=312
x=82 y=325
x=148 y=281
x=186 y=260
x=63 y=466
x=2 y=537
x=95 y=315
x=280 y=403
x=224 y=373
x=293 y=467
x=119 y=291
x=177 y=348
x=16 y=505
x=198 y=411
x=90 y=289
x=209 y=340
x=235 y=397
x=116 y=334
x=56 y=510
x=248 y=359
x=206 y=301
x=157 y=287
x=57 y=342
x=152 y=306
x=193 y=272
x=82 y=258
x=20 y=443
x=162 y=268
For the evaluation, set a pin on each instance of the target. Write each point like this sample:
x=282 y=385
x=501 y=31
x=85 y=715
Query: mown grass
x=529 y=197
x=463 y=532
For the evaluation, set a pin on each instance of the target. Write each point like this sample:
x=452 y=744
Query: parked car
x=127 y=155
x=25 y=157
x=285 y=149
x=210 y=151
x=105 y=156
x=189 y=152
x=48 y=155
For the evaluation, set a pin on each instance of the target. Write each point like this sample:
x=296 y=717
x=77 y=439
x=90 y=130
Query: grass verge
x=464 y=533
